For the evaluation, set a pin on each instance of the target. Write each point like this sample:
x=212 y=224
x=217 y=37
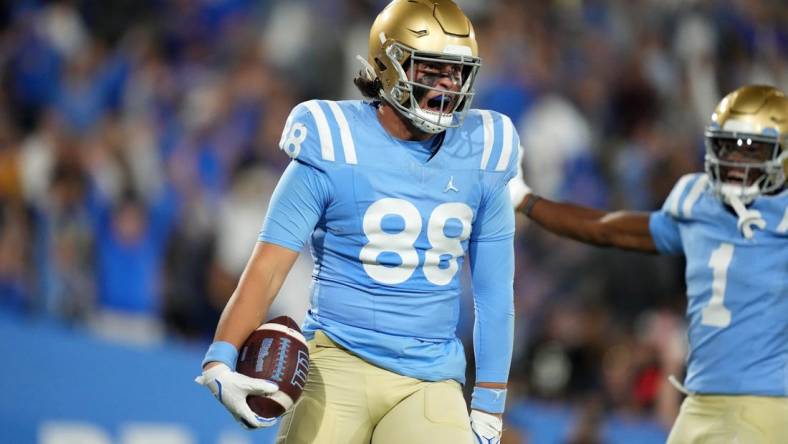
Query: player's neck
x=398 y=126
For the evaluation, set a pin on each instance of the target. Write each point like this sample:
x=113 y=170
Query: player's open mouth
x=440 y=104
x=741 y=176
x=735 y=175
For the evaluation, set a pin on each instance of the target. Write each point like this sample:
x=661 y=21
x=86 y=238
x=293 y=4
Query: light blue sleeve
x=515 y=155
x=664 y=224
x=297 y=204
x=665 y=232
x=503 y=157
x=491 y=258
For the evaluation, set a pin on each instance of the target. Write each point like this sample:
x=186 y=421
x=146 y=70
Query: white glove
x=518 y=189
x=486 y=427
x=231 y=389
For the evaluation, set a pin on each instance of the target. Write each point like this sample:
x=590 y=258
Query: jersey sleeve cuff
x=488 y=400
x=223 y=352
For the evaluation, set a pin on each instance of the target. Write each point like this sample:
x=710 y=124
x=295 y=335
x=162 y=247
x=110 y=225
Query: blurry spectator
x=16 y=291
x=64 y=245
x=557 y=147
x=131 y=238
x=34 y=67
x=61 y=24
x=242 y=211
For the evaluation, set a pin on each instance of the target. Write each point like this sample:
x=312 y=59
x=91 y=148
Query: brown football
x=277 y=352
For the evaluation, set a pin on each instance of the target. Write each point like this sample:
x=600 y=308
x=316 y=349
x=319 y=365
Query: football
x=277 y=352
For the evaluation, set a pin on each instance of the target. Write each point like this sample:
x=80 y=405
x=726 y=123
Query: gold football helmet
x=746 y=151
x=434 y=33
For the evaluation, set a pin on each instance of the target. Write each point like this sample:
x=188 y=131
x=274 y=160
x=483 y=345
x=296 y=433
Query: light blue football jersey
x=394 y=227
x=737 y=289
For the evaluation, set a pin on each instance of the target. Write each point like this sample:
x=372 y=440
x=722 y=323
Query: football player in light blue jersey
x=393 y=193
x=731 y=223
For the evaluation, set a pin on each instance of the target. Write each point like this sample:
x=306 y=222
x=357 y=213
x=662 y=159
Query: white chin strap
x=747 y=218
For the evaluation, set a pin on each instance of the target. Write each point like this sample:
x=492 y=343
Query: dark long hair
x=368 y=88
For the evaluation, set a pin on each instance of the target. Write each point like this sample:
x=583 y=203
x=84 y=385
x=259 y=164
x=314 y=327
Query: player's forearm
x=257 y=288
x=492 y=268
x=493 y=343
x=622 y=229
x=492 y=274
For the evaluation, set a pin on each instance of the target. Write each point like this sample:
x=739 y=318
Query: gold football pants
x=347 y=400
x=715 y=419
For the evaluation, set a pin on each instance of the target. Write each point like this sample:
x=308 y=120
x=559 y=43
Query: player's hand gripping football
x=486 y=427
x=231 y=389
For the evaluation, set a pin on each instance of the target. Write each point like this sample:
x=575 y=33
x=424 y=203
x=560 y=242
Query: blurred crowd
x=138 y=150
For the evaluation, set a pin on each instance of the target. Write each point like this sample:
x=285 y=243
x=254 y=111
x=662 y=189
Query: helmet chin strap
x=747 y=218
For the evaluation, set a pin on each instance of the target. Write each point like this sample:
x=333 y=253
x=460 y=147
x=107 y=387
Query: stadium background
x=138 y=151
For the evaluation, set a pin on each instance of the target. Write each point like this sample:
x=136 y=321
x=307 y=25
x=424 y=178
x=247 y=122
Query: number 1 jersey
x=737 y=289
x=390 y=223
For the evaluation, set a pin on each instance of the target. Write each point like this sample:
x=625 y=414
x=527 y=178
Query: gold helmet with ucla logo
x=747 y=143
x=408 y=33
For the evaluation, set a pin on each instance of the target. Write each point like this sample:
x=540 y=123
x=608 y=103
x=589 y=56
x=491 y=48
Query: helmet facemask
x=744 y=165
x=418 y=72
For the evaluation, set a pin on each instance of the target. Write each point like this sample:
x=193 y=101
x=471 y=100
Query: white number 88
x=402 y=242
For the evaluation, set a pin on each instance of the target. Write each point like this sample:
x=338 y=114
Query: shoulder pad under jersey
x=685 y=194
x=317 y=133
x=499 y=139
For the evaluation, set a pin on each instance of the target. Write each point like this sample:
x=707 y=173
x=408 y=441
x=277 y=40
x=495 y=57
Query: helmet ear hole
x=381 y=66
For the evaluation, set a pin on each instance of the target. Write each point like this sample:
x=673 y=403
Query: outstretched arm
x=628 y=230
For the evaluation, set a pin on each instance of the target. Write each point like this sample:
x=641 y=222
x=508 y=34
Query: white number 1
x=715 y=314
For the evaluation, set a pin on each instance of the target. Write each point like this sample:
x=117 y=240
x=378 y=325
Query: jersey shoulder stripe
x=694 y=194
x=507 y=144
x=501 y=142
x=489 y=137
x=685 y=194
x=313 y=131
x=346 y=136
x=783 y=227
x=323 y=129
